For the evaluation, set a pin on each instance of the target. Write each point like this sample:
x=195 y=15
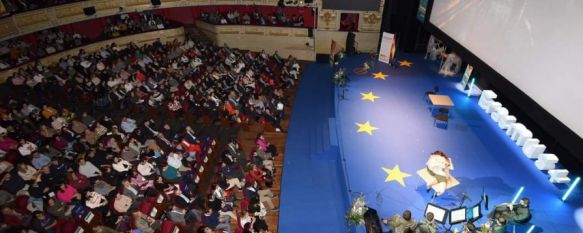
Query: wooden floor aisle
x=246 y=138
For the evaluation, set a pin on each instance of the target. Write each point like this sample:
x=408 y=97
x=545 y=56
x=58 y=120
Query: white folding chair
x=523 y=135
x=493 y=106
x=486 y=97
x=504 y=122
x=559 y=176
x=499 y=113
x=513 y=128
x=534 y=151
x=546 y=162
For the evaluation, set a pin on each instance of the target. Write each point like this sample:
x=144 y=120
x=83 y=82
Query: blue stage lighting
x=518 y=194
x=530 y=229
x=471 y=87
x=571 y=188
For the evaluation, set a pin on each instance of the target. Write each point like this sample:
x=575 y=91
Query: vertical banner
x=466 y=77
x=422 y=10
x=386 y=52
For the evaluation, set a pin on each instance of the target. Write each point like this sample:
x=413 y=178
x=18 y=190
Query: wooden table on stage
x=440 y=101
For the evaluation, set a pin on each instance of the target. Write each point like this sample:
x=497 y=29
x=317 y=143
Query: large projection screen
x=535 y=44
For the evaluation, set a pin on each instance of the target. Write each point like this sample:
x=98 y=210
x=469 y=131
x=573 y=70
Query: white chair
x=486 y=97
x=534 y=151
x=499 y=113
x=546 y=162
x=523 y=135
x=504 y=122
x=493 y=106
x=559 y=176
x=513 y=128
x=529 y=143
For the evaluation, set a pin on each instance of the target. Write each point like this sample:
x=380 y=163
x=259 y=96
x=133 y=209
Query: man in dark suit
x=514 y=213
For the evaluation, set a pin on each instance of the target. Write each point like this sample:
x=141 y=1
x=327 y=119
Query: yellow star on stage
x=395 y=174
x=366 y=127
x=405 y=63
x=369 y=96
x=380 y=75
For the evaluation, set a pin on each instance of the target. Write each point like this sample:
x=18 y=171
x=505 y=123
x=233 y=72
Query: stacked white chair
x=530 y=142
x=504 y=122
x=514 y=131
x=534 y=151
x=486 y=97
x=523 y=135
x=546 y=162
x=499 y=113
x=494 y=105
x=559 y=176
x=531 y=147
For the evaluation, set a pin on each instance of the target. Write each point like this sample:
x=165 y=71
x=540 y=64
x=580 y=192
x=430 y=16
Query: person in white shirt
x=174 y=160
x=121 y=165
x=95 y=200
x=26 y=148
x=146 y=169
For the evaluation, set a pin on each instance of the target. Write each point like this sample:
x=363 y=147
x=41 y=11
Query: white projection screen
x=535 y=44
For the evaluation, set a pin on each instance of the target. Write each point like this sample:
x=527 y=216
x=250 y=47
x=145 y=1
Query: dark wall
x=352 y=5
x=399 y=17
x=558 y=138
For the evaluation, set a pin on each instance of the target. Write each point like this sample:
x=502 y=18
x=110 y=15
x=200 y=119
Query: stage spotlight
x=566 y=195
x=471 y=87
x=517 y=195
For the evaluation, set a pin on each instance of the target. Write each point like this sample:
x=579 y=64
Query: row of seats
x=531 y=146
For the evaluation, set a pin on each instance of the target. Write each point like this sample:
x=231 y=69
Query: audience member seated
x=233 y=17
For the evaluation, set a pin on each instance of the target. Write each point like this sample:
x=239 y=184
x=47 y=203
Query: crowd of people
x=278 y=18
x=15 y=6
x=110 y=133
x=16 y=51
x=124 y=24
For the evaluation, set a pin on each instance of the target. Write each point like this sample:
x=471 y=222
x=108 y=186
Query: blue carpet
x=484 y=157
x=313 y=194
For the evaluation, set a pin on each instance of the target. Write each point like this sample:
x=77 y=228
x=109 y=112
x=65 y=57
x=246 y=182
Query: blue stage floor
x=483 y=156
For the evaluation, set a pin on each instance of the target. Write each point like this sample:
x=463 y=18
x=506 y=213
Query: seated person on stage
x=519 y=213
x=499 y=226
x=469 y=228
x=401 y=224
x=426 y=225
x=439 y=166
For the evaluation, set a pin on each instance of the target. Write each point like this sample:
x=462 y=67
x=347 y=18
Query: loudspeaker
x=350 y=38
x=89 y=10
x=156 y=2
x=322 y=58
x=310 y=32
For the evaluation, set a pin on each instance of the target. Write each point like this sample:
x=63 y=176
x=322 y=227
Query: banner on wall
x=386 y=53
x=466 y=77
